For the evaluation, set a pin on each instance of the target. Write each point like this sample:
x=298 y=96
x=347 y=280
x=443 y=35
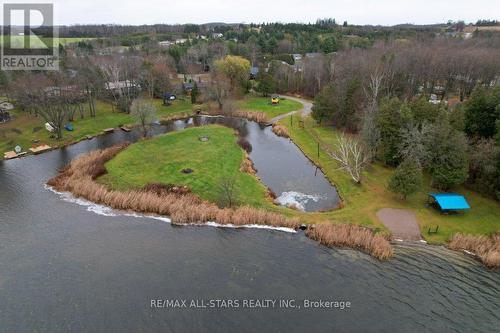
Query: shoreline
x=108 y=211
x=101 y=133
x=238 y=115
x=79 y=176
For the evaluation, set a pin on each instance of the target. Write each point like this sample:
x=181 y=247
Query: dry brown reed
x=186 y=208
x=281 y=130
x=243 y=143
x=248 y=166
x=486 y=248
x=352 y=236
x=271 y=194
x=259 y=117
x=78 y=178
x=162 y=189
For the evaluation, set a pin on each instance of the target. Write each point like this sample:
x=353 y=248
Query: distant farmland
x=37 y=43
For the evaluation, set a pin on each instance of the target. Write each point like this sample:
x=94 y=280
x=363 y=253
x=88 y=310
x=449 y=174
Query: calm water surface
x=64 y=268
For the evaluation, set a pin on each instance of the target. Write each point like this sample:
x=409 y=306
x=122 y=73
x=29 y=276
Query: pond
x=282 y=166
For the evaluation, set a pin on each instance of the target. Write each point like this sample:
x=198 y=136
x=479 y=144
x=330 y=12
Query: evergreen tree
x=324 y=104
x=194 y=93
x=347 y=117
x=448 y=162
x=370 y=135
x=407 y=178
x=266 y=83
x=484 y=167
x=423 y=111
x=481 y=112
x=391 y=118
x=272 y=45
x=329 y=45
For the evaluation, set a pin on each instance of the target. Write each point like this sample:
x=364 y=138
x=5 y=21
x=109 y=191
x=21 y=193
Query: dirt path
x=305 y=111
x=402 y=223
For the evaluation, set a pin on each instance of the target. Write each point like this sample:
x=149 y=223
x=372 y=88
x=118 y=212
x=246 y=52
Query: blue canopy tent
x=449 y=201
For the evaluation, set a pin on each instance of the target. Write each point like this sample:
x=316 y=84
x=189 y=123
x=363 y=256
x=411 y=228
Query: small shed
x=449 y=201
x=253 y=73
x=188 y=86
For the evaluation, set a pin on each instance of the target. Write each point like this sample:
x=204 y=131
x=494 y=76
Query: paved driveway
x=402 y=223
x=305 y=111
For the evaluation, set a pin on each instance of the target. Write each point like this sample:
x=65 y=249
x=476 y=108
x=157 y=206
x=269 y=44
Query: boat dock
x=8 y=155
x=125 y=128
x=40 y=149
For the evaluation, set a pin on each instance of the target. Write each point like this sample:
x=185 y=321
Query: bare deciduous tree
x=144 y=113
x=219 y=88
x=227 y=188
x=351 y=156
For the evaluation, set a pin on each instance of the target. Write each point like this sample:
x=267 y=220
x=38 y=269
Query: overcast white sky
x=385 y=12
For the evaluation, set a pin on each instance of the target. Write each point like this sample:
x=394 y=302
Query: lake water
x=64 y=267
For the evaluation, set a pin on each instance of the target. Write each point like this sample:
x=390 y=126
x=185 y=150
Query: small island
x=215 y=166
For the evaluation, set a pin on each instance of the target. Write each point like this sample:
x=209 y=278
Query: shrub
x=406 y=179
x=243 y=143
x=281 y=130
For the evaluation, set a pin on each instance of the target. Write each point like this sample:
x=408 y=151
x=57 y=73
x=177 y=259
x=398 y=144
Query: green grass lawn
x=182 y=107
x=24 y=129
x=161 y=159
x=363 y=201
x=263 y=104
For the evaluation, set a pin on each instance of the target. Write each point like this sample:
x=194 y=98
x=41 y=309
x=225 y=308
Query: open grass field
x=263 y=104
x=40 y=42
x=161 y=159
x=25 y=130
x=363 y=201
x=182 y=107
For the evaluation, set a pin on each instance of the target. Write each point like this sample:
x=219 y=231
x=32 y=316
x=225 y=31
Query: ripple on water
x=64 y=268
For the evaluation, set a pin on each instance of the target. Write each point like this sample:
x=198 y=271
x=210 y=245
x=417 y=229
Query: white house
x=121 y=86
x=181 y=41
x=165 y=43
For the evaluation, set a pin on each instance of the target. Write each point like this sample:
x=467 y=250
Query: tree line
x=422 y=107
